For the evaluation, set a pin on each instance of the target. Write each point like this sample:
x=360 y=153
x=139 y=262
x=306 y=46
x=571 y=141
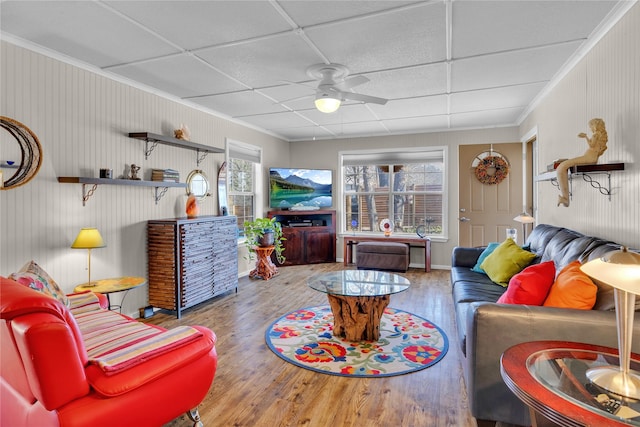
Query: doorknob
x=464 y=219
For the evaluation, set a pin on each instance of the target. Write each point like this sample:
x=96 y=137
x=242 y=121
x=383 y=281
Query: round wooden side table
x=110 y=286
x=265 y=268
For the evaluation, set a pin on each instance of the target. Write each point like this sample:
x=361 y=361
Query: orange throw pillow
x=572 y=289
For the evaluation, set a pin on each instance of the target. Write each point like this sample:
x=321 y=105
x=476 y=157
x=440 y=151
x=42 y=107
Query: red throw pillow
x=572 y=289
x=531 y=285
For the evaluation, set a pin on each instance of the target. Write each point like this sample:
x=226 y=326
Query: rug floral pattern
x=407 y=343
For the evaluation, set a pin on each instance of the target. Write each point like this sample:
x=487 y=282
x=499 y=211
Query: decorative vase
x=267 y=239
x=192 y=207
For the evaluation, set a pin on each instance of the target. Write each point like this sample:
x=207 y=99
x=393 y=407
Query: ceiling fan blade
x=364 y=98
x=350 y=82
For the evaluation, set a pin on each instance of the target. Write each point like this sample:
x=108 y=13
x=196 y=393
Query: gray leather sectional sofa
x=486 y=329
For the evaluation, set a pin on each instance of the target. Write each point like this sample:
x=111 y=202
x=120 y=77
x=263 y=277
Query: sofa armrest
x=492 y=328
x=465 y=257
x=126 y=380
x=50 y=359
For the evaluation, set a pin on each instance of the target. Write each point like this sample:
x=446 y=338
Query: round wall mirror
x=197 y=184
x=20 y=162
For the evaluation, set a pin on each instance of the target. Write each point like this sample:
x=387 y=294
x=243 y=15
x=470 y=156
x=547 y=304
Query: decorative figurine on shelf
x=192 y=207
x=386 y=225
x=597 y=146
x=182 y=133
x=134 y=173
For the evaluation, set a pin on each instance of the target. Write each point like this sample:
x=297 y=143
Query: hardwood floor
x=253 y=387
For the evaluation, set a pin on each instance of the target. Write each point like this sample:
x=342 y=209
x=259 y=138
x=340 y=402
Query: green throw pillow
x=505 y=261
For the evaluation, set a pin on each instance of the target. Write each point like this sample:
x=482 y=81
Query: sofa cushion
x=572 y=289
x=505 y=261
x=488 y=251
x=531 y=285
x=34 y=276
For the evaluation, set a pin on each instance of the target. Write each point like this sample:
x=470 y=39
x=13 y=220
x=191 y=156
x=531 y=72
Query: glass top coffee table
x=358 y=299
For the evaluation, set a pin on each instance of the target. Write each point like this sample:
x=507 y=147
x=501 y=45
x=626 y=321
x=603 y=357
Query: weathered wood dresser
x=191 y=260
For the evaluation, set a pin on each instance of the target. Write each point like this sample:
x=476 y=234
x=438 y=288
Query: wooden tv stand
x=311 y=235
x=349 y=241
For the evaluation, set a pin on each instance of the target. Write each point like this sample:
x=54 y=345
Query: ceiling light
x=327 y=104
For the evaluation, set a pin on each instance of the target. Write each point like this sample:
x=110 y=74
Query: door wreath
x=492 y=169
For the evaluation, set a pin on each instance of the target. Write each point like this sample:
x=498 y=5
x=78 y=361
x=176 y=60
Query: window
x=406 y=186
x=243 y=164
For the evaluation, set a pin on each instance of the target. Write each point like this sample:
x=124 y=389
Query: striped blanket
x=115 y=342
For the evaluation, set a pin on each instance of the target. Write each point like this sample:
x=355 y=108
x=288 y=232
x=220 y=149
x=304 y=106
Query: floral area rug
x=407 y=343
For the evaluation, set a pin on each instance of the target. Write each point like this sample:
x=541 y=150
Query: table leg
x=537 y=420
x=427 y=256
x=346 y=251
x=357 y=318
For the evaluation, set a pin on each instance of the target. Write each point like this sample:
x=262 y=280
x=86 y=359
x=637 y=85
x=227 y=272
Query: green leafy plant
x=258 y=230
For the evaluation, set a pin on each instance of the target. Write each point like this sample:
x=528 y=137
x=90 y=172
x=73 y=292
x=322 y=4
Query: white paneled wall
x=82 y=120
x=605 y=84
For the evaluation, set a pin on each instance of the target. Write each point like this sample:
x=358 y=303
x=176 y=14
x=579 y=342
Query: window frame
x=253 y=154
x=395 y=156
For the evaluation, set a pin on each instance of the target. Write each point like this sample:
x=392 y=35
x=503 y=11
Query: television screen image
x=295 y=187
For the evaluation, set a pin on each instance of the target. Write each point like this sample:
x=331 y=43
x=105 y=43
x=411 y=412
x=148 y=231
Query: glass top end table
x=551 y=378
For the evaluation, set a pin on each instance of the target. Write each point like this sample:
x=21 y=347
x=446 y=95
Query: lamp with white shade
x=88 y=238
x=620 y=270
x=525 y=219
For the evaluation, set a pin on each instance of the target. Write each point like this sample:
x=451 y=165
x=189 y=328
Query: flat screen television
x=291 y=188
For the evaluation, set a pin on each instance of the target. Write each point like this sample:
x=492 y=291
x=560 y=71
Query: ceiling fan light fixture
x=326 y=104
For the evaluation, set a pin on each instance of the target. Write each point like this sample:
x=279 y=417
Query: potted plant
x=264 y=232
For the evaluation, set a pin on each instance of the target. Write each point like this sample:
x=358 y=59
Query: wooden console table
x=417 y=242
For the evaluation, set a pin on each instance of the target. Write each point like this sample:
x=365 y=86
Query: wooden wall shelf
x=152 y=140
x=160 y=186
x=587 y=172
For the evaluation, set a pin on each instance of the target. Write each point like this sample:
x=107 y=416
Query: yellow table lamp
x=88 y=238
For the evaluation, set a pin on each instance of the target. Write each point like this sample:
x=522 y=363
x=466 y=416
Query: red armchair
x=47 y=377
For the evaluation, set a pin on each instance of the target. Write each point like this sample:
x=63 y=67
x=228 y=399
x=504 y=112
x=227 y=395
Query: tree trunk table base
x=357 y=318
x=265 y=268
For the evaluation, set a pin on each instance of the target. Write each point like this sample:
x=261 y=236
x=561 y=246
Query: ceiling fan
x=335 y=85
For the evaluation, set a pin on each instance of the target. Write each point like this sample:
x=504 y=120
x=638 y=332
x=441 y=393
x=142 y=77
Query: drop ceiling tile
x=490 y=118
x=493 y=26
x=304 y=133
x=277 y=120
x=417 y=124
x=307 y=13
x=361 y=128
x=407 y=82
x=82 y=30
x=345 y=114
x=238 y=104
x=414 y=107
x=264 y=62
x=380 y=42
x=180 y=75
x=197 y=24
x=491 y=99
x=511 y=68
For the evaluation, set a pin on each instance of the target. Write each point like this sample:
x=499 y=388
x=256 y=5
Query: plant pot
x=267 y=239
